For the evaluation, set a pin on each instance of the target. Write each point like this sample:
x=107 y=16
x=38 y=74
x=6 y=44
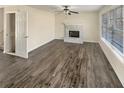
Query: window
x=112 y=27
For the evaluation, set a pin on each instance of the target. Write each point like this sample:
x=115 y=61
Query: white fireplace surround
x=68 y=28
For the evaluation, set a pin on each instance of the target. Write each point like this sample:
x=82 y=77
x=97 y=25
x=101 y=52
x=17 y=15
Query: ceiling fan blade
x=66 y=6
x=69 y=13
x=74 y=12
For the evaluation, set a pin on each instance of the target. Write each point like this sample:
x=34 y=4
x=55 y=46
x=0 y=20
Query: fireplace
x=74 y=34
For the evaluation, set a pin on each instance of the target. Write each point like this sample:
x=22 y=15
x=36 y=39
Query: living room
x=61 y=46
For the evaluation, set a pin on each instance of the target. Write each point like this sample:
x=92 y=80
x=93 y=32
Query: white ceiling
x=2 y=6
x=79 y=8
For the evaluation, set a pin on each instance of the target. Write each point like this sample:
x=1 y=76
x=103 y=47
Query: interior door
x=7 y=34
x=21 y=34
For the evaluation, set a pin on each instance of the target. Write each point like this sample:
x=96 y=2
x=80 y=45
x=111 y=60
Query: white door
x=7 y=34
x=21 y=34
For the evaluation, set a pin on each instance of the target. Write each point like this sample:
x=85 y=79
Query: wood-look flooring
x=58 y=64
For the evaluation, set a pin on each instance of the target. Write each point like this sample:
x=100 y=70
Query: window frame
x=105 y=38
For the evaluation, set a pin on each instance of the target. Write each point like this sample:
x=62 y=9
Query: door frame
x=5 y=31
x=16 y=25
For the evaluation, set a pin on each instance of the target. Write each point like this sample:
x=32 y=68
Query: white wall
x=89 y=20
x=1 y=27
x=114 y=58
x=41 y=26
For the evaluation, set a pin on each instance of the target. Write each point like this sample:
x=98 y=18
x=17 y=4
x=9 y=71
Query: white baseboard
x=115 y=61
x=39 y=45
x=61 y=38
x=83 y=41
x=91 y=41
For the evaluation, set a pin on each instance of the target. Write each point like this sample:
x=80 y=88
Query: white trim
x=5 y=30
x=16 y=29
x=60 y=38
x=108 y=43
x=113 y=47
x=123 y=26
x=40 y=45
x=4 y=33
x=27 y=31
x=116 y=63
x=91 y=41
x=83 y=40
x=7 y=12
x=115 y=50
x=114 y=56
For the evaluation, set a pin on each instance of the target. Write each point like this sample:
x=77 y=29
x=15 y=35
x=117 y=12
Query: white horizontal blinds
x=117 y=34
x=104 y=25
x=112 y=27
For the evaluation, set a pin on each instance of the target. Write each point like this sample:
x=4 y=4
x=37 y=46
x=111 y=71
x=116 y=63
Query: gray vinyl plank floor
x=59 y=65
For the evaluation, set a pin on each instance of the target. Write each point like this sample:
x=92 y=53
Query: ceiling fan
x=67 y=11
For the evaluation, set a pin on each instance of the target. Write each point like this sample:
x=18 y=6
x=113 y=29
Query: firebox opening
x=74 y=34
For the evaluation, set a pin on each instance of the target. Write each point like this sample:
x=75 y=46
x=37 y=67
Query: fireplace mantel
x=73 y=33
